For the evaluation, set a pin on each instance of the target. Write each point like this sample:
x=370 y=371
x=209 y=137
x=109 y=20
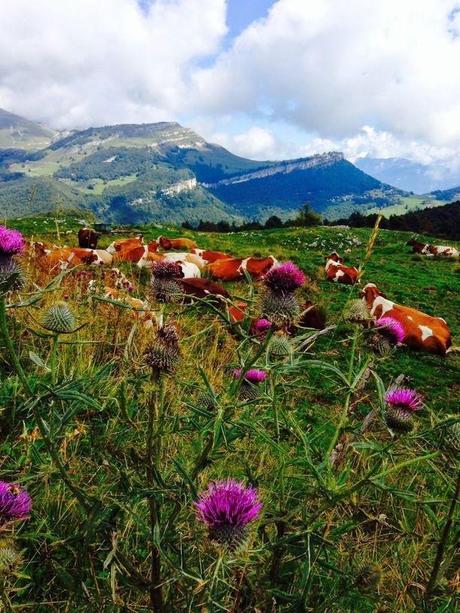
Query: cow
x=134 y=253
x=203 y=288
x=176 y=243
x=211 y=256
x=112 y=278
x=422 y=332
x=125 y=244
x=140 y=309
x=103 y=257
x=64 y=258
x=87 y=238
x=433 y=250
x=339 y=273
x=231 y=269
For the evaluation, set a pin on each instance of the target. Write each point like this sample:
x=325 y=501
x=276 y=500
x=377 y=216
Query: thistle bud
x=163 y=353
x=59 y=319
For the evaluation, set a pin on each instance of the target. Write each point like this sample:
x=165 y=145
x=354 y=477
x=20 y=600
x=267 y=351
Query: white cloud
x=332 y=66
x=100 y=61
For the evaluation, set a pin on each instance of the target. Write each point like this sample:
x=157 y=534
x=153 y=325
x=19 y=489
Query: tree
x=307 y=217
x=273 y=222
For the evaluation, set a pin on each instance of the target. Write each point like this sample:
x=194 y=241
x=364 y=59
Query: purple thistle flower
x=253 y=375
x=285 y=278
x=404 y=398
x=15 y=502
x=227 y=507
x=11 y=241
x=167 y=270
x=391 y=327
x=262 y=325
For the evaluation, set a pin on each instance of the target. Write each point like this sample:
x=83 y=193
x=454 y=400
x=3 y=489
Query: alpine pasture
x=118 y=435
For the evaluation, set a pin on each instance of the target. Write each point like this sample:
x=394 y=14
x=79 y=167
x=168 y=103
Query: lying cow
x=87 y=238
x=422 y=332
x=210 y=256
x=232 y=269
x=203 y=288
x=339 y=273
x=125 y=244
x=433 y=250
x=176 y=243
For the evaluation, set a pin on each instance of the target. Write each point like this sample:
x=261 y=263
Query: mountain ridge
x=158 y=171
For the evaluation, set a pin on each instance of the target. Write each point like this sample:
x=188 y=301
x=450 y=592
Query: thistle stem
x=443 y=542
x=152 y=454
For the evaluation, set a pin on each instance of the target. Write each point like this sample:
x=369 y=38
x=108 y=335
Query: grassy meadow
x=353 y=514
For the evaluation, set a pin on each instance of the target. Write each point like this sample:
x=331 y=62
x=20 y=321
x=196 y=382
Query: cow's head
x=335 y=257
x=369 y=293
x=164 y=242
x=152 y=247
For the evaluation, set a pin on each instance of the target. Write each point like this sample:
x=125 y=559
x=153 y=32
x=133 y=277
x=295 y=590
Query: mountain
x=408 y=175
x=19 y=133
x=165 y=172
x=447 y=195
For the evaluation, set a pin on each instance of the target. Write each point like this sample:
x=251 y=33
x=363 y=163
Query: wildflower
x=260 y=327
x=392 y=328
x=15 y=502
x=227 y=507
x=253 y=375
x=248 y=389
x=165 y=286
x=285 y=278
x=10 y=558
x=402 y=403
x=163 y=353
x=11 y=244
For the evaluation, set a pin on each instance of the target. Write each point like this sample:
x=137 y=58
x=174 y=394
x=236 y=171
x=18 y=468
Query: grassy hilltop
x=352 y=514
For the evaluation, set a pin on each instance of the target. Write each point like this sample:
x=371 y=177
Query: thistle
x=163 y=353
x=164 y=283
x=391 y=329
x=59 y=319
x=249 y=386
x=450 y=437
x=280 y=346
x=11 y=244
x=401 y=404
x=357 y=312
x=278 y=301
x=227 y=508
x=368 y=577
x=10 y=558
x=15 y=502
x=260 y=327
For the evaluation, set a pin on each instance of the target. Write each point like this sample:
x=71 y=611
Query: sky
x=268 y=79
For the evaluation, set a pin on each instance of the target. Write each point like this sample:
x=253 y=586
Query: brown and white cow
x=87 y=238
x=339 y=273
x=65 y=257
x=203 y=288
x=232 y=269
x=422 y=332
x=125 y=244
x=211 y=256
x=433 y=250
x=176 y=243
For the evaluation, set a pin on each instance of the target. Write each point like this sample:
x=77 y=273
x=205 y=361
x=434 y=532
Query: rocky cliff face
x=316 y=161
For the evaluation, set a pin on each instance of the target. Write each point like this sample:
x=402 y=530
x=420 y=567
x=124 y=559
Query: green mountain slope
x=19 y=133
x=162 y=172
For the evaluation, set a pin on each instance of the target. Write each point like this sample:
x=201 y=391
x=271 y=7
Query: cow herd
x=203 y=271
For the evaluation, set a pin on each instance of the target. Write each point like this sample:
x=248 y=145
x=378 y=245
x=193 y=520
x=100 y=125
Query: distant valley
x=138 y=173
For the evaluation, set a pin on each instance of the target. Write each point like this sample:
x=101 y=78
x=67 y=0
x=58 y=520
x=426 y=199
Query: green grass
x=406 y=204
x=383 y=500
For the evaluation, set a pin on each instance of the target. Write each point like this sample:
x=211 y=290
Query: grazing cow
x=232 y=269
x=422 y=332
x=87 y=238
x=125 y=244
x=433 y=250
x=203 y=288
x=337 y=272
x=176 y=243
x=211 y=256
